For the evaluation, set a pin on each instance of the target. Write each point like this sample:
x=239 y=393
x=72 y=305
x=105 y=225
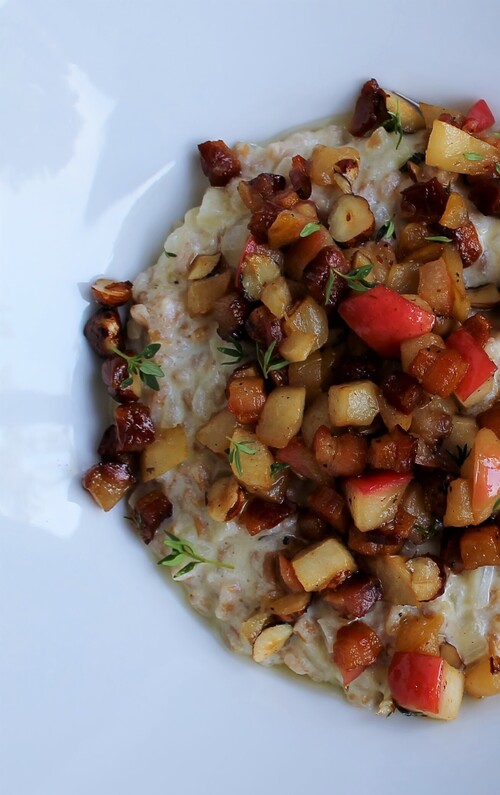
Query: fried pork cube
x=149 y=512
x=108 y=482
x=134 y=427
x=355 y=597
x=355 y=648
x=218 y=162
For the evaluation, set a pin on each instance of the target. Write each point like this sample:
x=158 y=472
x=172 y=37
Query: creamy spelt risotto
x=307 y=417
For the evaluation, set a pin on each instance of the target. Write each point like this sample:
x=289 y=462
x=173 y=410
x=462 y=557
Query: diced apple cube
x=168 y=451
x=355 y=403
x=281 y=416
x=374 y=499
x=318 y=565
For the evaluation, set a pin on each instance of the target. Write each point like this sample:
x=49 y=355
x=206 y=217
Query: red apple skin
x=485 y=475
x=378 y=482
x=416 y=681
x=481 y=368
x=384 y=319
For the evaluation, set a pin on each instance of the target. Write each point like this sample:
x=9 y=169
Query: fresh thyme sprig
x=235 y=353
x=265 y=360
x=497 y=168
x=386 y=231
x=394 y=124
x=309 y=229
x=140 y=365
x=438 y=239
x=461 y=455
x=182 y=550
x=236 y=449
x=278 y=467
x=356 y=279
x=496 y=506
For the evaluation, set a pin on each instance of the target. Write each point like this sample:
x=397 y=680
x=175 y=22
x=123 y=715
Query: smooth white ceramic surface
x=108 y=683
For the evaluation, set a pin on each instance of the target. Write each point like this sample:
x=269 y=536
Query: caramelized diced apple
x=203 y=293
x=419 y=633
x=316 y=566
x=449 y=148
x=246 y=398
x=482 y=469
x=426 y=683
x=478 y=379
x=168 y=451
x=480 y=546
x=480 y=681
x=374 y=499
x=281 y=416
x=213 y=434
x=252 y=468
x=354 y=403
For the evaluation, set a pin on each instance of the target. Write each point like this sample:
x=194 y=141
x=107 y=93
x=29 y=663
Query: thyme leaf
x=496 y=506
x=140 y=365
x=235 y=451
x=169 y=253
x=309 y=229
x=394 y=124
x=386 y=231
x=235 y=353
x=461 y=455
x=278 y=467
x=438 y=239
x=182 y=550
x=472 y=156
x=266 y=362
x=497 y=168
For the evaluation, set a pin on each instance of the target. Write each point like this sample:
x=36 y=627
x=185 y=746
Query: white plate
x=109 y=684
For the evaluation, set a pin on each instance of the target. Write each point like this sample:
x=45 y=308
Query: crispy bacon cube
x=355 y=597
x=149 y=512
x=134 y=427
x=403 y=392
x=439 y=370
x=260 y=515
x=329 y=505
x=344 y=455
x=218 y=162
x=395 y=450
x=356 y=647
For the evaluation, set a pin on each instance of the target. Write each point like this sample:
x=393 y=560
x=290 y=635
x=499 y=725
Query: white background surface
x=108 y=683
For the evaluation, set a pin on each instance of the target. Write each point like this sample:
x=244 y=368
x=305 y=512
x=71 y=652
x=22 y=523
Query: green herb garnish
x=473 y=156
x=461 y=455
x=355 y=279
x=438 y=239
x=266 y=363
x=235 y=353
x=236 y=449
x=182 y=550
x=496 y=506
x=386 y=231
x=278 y=467
x=169 y=253
x=417 y=157
x=140 y=364
x=497 y=168
x=309 y=229
x=394 y=124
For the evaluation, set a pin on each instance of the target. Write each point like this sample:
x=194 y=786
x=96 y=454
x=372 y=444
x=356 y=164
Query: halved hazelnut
x=270 y=641
x=110 y=293
x=202 y=265
x=351 y=221
x=225 y=499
